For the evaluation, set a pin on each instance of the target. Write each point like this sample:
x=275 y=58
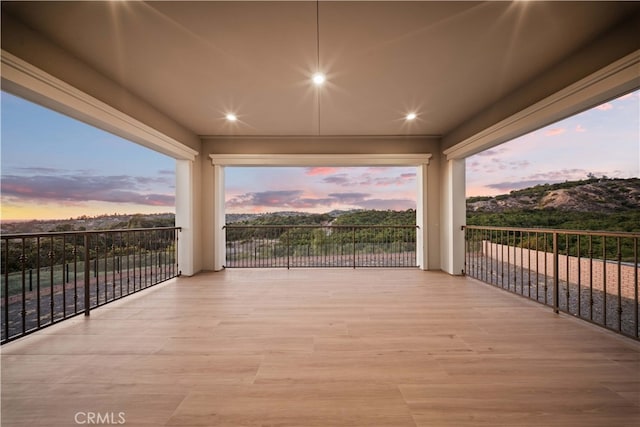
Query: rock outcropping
x=592 y=195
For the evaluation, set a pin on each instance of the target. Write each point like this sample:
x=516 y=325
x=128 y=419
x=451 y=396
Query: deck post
x=219 y=236
x=452 y=216
x=422 y=240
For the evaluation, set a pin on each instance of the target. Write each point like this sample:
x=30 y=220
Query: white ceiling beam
x=320 y=159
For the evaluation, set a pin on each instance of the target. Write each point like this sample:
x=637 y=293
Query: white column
x=453 y=216
x=219 y=237
x=422 y=240
x=186 y=196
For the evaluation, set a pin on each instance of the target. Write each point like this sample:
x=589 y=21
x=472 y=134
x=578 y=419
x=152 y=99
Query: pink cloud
x=579 y=128
x=77 y=187
x=397 y=180
x=555 y=131
x=604 y=107
x=493 y=151
x=341 y=179
x=320 y=170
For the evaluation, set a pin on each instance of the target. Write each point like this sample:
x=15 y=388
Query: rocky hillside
x=592 y=195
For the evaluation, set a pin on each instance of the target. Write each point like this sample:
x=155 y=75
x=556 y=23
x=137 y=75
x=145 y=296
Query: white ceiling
x=196 y=61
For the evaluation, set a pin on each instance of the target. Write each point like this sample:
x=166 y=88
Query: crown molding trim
x=320 y=159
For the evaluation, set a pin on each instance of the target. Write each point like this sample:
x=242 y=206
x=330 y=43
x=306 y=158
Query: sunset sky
x=320 y=189
x=604 y=140
x=56 y=167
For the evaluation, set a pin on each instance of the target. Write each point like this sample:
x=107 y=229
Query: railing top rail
x=72 y=232
x=319 y=226
x=556 y=230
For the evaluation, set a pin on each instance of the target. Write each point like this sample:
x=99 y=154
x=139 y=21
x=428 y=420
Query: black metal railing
x=320 y=246
x=590 y=275
x=50 y=277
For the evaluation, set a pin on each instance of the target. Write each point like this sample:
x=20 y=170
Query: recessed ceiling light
x=411 y=116
x=318 y=79
x=231 y=117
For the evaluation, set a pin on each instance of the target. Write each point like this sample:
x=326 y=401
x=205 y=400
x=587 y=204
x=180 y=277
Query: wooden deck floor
x=322 y=348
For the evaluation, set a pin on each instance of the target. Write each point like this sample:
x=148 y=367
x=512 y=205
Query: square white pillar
x=422 y=240
x=219 y=220
x=453 y=216
x=187 y=216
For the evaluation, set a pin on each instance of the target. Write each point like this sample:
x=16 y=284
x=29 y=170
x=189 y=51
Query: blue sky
x=57 y=167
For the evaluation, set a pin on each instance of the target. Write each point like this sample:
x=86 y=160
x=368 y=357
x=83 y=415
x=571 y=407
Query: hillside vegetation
x=82 y=223
x=592 y=204
x=355 y=217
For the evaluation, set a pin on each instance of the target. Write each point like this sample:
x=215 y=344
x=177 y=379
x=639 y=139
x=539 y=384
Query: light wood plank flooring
x=323 y=348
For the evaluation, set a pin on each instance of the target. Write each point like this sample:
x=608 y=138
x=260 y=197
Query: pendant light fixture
x=318 y=77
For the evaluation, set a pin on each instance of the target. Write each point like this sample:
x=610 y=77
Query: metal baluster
x=64 y=279
x=556 y=279
x=353 y=231
x=579 y=249
x=106 y=268
x=529 y=251
x=6 y=290
x=604 y=281
x=635 y=286
x=546 y=272
x=113 y=263
x=619 y=256
x=508 y=247
x=485 y=255
x=75 y=274
x=38 y=308
x=567 y=290
x=177 y=259
x=51 y=280
x=23 y=313
x=120 y=251
x=96 y=272
x=87 y=276
x=590 y=277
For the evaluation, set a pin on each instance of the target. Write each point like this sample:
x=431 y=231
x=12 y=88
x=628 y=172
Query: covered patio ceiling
x=448 y=62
